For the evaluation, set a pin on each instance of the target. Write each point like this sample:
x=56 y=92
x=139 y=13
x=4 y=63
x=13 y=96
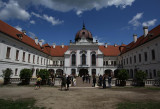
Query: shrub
x=25 y=76
x=44 y=74
x=140 y=76
x=122 y=76
x=7 y=75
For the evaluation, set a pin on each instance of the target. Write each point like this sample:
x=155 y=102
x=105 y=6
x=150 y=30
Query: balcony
x=57 y=66
x=83 y=66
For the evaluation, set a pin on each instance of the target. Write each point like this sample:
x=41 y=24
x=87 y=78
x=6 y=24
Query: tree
x=44 y=74
x=140 y=76
x=122 y=76
x=25 y=76
x=7 y=75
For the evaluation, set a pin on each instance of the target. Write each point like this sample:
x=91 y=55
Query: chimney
x=145 y=29
x=40 y=43
x=36 y=40
x=106 y=45
x=54 y=45
x=24 y=32
x=135 y=38
x=115 y=45
x=62 y=45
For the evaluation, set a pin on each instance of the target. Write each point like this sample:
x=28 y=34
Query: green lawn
x=139 y=105
x=18 y=104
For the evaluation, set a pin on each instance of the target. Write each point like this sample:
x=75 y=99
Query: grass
x=18 y=104
x=139 y=105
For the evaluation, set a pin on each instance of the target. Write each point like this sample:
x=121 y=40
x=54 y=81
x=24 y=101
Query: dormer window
x=19 y=36
x=83 y=33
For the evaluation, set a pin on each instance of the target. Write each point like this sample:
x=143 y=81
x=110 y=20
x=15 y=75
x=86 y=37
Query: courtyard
x=81 y=97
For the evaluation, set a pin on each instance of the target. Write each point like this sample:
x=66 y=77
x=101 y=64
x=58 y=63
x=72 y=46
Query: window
x=103 y=62
x=37 y=60
x=41 y=60
x=16 y=72
x=73 y=59
x=106 y=62
x=33 y=59
x=23 y=58
x=54 y=63
x=115 y=63
x=135 y=59
x=83 y=59
x=93 y=59
x=112 y=62
x=127 y=60
x=8 y=53
x=44 y=62
x=154 y=72
x=139 y=57
x=145 y=56
x=153 y=54
x=130 y=60
x=124 y=61
x=29 y=55
x=61 y=63
x=17 y=54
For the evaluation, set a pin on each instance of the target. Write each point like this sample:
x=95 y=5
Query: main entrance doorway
x=83 y=72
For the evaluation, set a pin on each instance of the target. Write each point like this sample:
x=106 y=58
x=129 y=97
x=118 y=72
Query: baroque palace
x=82 y=56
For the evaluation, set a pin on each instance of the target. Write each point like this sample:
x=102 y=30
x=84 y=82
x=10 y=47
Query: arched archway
x=131 y=73
x=59 y=72
x=108 y=72
x=116 y=73
x=93 y=72
x=83 y=72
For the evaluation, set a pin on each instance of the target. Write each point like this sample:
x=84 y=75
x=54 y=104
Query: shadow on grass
x=139 y=105
x=19 y=104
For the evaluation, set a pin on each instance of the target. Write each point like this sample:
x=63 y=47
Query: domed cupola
x=84 y=34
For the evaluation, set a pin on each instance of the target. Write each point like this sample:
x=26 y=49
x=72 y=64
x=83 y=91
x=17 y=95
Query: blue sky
x=57 y=21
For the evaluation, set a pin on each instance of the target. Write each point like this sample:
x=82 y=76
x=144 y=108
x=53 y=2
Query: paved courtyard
x=79 y=98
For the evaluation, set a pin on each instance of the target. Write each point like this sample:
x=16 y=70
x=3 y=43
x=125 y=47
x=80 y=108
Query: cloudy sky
x=57 y=21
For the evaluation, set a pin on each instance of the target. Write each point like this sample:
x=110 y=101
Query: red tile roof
x=154 y=33
x=12 y=32
x=111 y=50
x=58 y=51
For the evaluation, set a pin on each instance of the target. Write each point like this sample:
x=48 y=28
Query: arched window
x=73 y=59
x=93 y=59
x=83 y=59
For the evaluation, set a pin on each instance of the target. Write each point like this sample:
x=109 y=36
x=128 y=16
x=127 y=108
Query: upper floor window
x=135 y=59
x=41 y=60
x=93 y=59
x=73 y=59
x=29 y=55
x=139 y=57
x=37 y=60
x=44 y=62
x=153 y=54
x=106 y=62
x=33 y=59
x=8 y=52
x=17 y=54
x=145 y=56
x=130 y=60
x=115 y=63
x=23 y=58
x=83 y=59
x=54 y=63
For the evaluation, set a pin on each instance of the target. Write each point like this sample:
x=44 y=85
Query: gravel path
x=79 y=98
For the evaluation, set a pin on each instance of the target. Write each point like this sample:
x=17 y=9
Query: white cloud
x=12 y=10
x=149 y=23
x=32 y=22
x=32 y=35
x=43 y=41
x=135 y=20
x=18 y=28
x=50 y=19
x=96 y=38
x=79 y=12
x=76 y=5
